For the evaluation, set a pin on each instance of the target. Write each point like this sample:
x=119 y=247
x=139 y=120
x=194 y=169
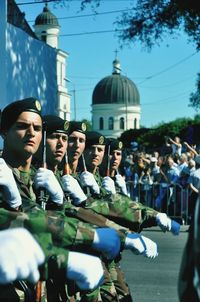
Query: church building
x=115 y=104
x=31 y=62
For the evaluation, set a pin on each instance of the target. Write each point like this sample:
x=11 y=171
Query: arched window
x=101 y=123
x=110 y=123
x=135 y=123
x=121 y=123
x=44 y=36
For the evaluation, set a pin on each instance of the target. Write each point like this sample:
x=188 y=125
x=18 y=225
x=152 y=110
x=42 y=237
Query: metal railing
x=171 y=199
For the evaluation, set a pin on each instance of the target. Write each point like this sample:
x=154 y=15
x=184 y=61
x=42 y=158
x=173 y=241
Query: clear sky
x=165 y=77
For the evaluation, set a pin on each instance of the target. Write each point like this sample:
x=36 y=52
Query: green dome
x=46 y=18
x=116 y=89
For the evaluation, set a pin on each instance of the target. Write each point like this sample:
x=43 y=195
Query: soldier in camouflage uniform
x=50 y=233
x=117 y=207
x=110 y=167
x=76 y=147
x=21 y=127
x=114 y=184
x=56 y=144
x=56 y=147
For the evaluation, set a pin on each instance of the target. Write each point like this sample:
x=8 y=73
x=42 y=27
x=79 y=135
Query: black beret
x=94 y=138
x=114 y=144
x=12 y=111
x=55 y=123
x=77 y=126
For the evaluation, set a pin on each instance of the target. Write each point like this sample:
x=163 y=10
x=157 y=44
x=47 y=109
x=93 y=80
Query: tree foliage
x=195 y=96
x=151 y=21
x=153 y=139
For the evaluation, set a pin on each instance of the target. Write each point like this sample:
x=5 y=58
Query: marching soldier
x=21 y=128
x=104 y=189
x=77 y=141
x=20 y=255
x=56 y=144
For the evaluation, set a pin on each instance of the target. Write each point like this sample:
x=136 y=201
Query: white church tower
x=47 y=29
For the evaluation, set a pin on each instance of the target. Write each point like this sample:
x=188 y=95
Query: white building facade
x=30 y=66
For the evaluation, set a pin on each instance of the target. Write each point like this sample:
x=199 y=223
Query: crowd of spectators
x=167 y=180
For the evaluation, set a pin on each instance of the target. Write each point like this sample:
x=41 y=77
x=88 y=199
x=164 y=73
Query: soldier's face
x=115 y=159
x=56 y=147
x=94 y=155
x=25 y=135
x=76 y=145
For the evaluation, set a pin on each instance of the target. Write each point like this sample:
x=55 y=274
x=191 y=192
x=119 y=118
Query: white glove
x=10 y=190
x=45 y=178
x=20 y=256
x=151 y=250
x=86 y=270
x=109 y=185
x=134 y=243
x=139 y=244
x=164 y=222
x=120 y=181
x=71 y=185
x=87 y=180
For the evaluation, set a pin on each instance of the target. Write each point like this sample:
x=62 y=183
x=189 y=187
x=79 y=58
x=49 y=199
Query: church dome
x=46 y=18
x=116 y=89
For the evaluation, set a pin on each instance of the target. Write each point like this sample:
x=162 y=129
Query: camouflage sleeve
x=55 y=258
x=64 y=231
x=122 y=210
x=98 y=220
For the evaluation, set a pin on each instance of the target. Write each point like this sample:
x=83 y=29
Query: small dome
x=116 y=89
x=46 y=18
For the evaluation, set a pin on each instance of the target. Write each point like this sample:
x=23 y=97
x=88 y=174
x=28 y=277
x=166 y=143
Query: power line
x=46 y=1
x=36 y=2
x=168 y=68
x=91 y=33
x=150 y=77
x=172 y=84
x=167 y=100
x=89 y=15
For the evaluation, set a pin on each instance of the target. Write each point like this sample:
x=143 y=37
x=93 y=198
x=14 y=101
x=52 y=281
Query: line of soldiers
x=65 y=216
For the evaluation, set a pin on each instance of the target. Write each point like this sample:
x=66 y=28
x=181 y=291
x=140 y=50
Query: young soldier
x=94 y=155
x=21 y=128
x=75 y=150
x=56 y=145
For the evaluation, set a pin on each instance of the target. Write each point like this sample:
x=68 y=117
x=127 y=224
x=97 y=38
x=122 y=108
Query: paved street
x=156 y=280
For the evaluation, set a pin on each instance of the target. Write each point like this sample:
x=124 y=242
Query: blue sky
x=165 y=77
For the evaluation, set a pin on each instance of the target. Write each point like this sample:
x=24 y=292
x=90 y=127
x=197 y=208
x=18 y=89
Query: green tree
x=153 y=139
x=195 y=97
x=150 y=21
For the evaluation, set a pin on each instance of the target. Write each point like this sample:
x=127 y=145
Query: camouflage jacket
x=75 y=232
x=120 y=209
